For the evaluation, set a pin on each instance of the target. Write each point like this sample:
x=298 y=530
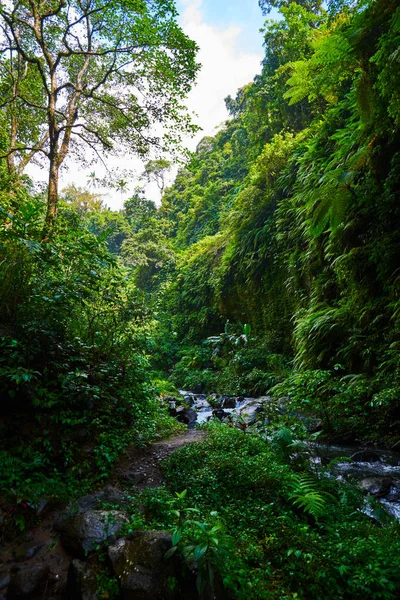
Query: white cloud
x=224 y=67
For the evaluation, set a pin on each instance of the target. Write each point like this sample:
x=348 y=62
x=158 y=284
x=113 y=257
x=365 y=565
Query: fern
x=306 y=496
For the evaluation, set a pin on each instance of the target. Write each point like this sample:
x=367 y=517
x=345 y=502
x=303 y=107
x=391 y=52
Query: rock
x=81 y=582
x=140 y=565
x=83 y=532
x=26 y=551
x=26 y=581
x=201 y=404
x=135 y=477
x=229 y=402
x=220 y=413
x=4 y=580
x=42 y=504
x=393 y=495
x=365 y=456
x=251 y=409
x=186 y=415
x=109 y=495
x=377 y=486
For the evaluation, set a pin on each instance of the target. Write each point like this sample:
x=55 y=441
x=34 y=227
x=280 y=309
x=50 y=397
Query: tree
x=104 y=72
x=155 y=170
x=82 y=200
x=311 y=5
x=92 y=180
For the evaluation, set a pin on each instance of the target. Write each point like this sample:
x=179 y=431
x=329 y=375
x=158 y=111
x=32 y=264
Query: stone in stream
x=393 y=495
x=229 y=402
x=186 y=415
x=220 y=413
x=365 y=456
x=377 y=486
x=85 y=531
x=140 y=565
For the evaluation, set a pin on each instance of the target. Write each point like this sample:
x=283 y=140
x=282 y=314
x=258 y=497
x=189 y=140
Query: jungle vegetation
x=271 y=268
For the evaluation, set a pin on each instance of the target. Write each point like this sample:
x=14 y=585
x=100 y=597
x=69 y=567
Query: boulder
x=377 y=486
x=109 y=495
x=251 y=410
x=26 y=581
x=83 y=532
x=229 y=402
x=81 y=582
x=220 y=413
x=365 y=456
x=186 y=415
x=141 y=567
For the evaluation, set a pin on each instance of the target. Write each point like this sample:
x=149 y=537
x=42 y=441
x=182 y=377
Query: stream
x=375 y=470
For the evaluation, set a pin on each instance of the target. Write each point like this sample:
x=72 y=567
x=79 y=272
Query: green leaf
x=177 y=536
x=170 y=552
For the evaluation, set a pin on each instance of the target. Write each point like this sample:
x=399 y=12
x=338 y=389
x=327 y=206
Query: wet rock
x=220 y=413
x=186 y=415
x=365 y=456
x=139 y=563
x=251 y=409
x=81 y=582
x=83 y=532
x=26 y=581
x=229 y=402
x=393 y=495
x=377 y=486
x=26 y=551
x=201 y=404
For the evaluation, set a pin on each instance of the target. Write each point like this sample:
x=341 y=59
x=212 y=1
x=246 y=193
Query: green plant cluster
x=74 y=380
x=288 y=220
x=281 y=533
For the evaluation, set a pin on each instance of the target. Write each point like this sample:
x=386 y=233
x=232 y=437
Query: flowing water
x=376 y=470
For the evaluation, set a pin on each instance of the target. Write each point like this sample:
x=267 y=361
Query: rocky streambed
x=375 y=470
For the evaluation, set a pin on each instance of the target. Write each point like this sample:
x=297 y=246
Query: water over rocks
x=219 y=406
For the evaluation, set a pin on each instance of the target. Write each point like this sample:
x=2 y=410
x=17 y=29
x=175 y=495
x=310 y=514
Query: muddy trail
x=35 y=566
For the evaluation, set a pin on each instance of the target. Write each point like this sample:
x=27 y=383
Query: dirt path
x=142 y=467
x=138 y=469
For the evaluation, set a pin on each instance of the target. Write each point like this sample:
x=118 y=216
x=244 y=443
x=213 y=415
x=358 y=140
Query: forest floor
x=41 y=545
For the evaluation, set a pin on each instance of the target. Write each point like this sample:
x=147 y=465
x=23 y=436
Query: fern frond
x=306 y=496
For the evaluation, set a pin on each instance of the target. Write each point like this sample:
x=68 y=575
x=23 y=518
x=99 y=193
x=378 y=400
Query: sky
x=228 y=35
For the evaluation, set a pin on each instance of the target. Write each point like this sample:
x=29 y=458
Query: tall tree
x=311 y=5
x=107 y=70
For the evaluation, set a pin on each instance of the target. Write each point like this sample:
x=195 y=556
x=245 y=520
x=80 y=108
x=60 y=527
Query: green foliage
x=291 y=532
x=73 y=366
x=288 y=220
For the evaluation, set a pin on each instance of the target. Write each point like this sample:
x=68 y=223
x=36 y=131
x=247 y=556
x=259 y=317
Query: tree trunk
x=52 y=198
